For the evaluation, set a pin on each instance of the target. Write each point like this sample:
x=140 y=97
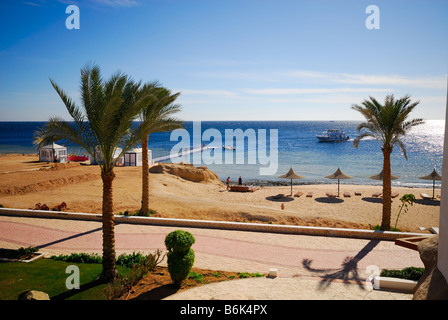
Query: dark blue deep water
x=298 y=148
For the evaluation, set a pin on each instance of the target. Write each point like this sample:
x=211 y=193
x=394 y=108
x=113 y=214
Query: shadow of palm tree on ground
x=158 y=293
x=84 y=287
x=77 y=235
x=348 y=272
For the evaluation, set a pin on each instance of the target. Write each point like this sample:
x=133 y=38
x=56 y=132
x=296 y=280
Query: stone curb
x=388 y=283
x=38 y=256
x=224 y=225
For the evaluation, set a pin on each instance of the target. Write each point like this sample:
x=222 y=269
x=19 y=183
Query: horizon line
x=231 y=120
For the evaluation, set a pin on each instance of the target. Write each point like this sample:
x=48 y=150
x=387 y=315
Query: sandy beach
x=24 y=182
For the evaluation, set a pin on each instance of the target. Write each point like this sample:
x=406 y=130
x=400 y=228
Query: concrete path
x=309 y=267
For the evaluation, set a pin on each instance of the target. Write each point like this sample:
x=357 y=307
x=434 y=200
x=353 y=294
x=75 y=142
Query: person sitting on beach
x=240 y=181
x=228 y=183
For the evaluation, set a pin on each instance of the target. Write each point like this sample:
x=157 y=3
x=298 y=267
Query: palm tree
x=104 y=123
x=158 y=117
x=388 y=124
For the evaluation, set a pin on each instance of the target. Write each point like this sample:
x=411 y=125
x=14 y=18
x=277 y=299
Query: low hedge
x=409 y=273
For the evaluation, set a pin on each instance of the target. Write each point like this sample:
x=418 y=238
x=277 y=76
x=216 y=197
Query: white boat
x=333 y=135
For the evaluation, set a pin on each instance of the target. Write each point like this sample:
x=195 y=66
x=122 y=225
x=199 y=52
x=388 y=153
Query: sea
x=265 y=150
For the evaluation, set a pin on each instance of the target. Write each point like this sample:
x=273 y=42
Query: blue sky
x=231 y=60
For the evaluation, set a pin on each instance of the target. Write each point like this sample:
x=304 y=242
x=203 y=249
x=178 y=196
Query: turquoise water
x=298 y=148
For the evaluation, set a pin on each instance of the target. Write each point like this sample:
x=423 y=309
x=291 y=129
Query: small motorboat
x=333 y=135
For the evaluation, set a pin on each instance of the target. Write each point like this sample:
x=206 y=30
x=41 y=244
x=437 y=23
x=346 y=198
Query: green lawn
x=49 y=276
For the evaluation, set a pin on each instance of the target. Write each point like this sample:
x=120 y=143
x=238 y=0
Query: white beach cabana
x=99 y=156
x=52 y=152
x=134 y=157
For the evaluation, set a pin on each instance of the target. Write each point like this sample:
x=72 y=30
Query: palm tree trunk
x=109 y=269
x=145 y=177
x=387 y=190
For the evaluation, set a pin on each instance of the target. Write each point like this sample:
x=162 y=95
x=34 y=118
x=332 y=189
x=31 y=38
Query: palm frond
x=57 y=129
x=156 y=116
x=399 y=143
x=362 y=136
x=414 y=122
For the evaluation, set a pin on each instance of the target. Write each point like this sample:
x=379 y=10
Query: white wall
x=442 y=259
x=139 y=157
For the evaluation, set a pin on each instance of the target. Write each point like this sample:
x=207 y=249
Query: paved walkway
x=309 y=267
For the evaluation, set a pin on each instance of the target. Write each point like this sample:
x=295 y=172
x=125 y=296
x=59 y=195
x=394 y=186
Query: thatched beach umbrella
x=338 y=174
x=291 y=175
x=380 y=175
x=432 y=176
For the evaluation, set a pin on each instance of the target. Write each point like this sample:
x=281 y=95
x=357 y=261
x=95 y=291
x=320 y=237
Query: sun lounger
x=309 y=194
x=425 y=196
x=434 y=230
x=358 y=193
x=347 y=194
x=240 y=188
x=254 y=188
x=298 y=194
x=279 y=196
x=377 y=194
x=395 y=194
x=330 y=195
